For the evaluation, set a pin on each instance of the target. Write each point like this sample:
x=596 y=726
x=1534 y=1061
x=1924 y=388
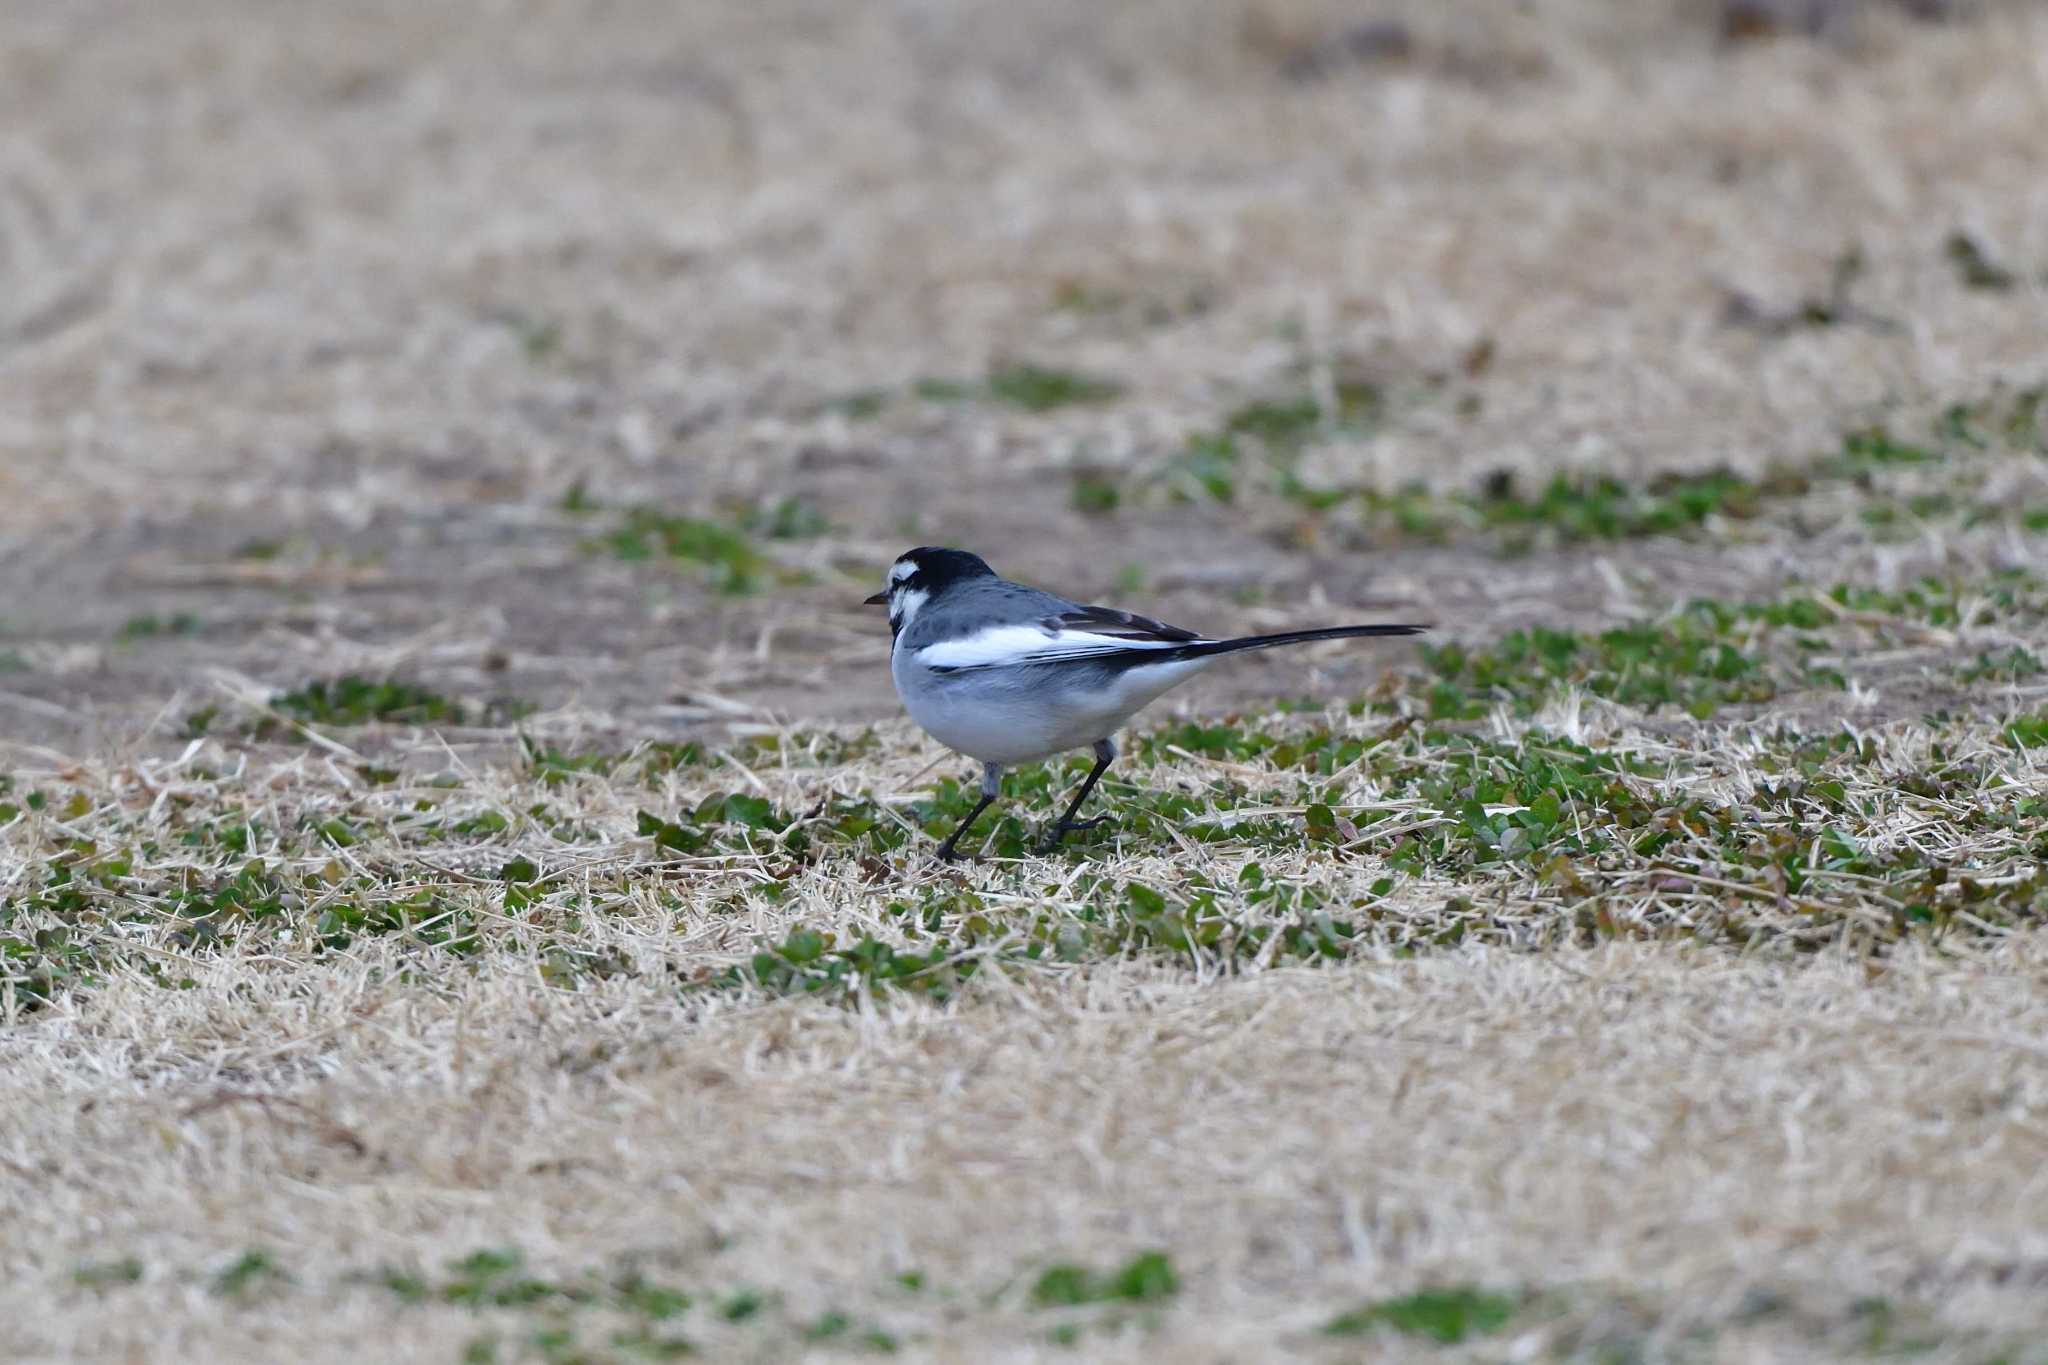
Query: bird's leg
x=991 y=788
x=1105 y=752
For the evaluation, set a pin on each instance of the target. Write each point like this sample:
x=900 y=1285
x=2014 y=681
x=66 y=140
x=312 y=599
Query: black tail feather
x=1201 y=649
x=1243 y=643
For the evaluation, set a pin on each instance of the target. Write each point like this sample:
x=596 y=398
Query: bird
x=1008 y=674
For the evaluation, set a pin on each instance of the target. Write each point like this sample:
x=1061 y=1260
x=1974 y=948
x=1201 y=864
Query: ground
x=464 y=880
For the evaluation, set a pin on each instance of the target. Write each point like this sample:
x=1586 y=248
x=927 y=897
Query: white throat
x=904 y=604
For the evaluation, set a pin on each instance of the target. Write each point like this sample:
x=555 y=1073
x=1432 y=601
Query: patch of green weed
x=2028 y=731
x=789 y=519
x=810 y=962
x=1604 y=508
x=1876 y=446
x=1876 y=463
x=1686 y=661
x=250 y=1273
x=1147 y=1277
x=1446 y=1316
x=356 y=700
x=727 y=559
x=1038 y=388
x=151 y=626
x=1278 y=421
x=859 y=405
x=108 y=1274
x=2012 y=665
x=1093 y=493
x=1208 y=468
x=944 y=390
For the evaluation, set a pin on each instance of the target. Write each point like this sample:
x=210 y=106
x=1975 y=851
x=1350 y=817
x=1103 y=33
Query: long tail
x=1204 y=648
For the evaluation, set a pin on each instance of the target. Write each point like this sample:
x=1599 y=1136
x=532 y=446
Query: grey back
x=977 y=604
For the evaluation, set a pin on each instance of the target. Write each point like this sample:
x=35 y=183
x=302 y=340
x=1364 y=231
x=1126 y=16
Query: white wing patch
x=1007 y=646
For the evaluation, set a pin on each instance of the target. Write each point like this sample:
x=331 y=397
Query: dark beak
x=880 y=599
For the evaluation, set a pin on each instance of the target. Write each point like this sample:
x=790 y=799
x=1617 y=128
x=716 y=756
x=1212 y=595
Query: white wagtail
x=1007 y=674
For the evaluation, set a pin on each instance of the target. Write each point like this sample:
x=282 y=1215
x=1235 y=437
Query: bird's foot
x=1066 y=827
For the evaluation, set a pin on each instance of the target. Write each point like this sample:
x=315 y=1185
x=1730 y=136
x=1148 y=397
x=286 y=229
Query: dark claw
x=1066 y=827
x=1105 y=752
x=952 y=844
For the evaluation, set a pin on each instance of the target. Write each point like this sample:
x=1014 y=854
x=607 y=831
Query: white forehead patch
x=902 y=569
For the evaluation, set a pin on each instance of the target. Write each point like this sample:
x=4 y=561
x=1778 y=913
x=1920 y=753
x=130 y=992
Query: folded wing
x=1122 y=625
x=1097 y=634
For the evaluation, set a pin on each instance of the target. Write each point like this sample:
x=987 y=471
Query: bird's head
x=919 y=575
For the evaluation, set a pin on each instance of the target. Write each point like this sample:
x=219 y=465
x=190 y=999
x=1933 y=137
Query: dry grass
x=1669 y=1152
x=1627 y=979
x=354 y=1025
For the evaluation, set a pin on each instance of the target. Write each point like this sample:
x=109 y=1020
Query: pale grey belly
x=1010 y=716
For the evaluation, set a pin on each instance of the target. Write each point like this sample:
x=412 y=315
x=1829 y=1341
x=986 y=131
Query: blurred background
x=588 y=359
